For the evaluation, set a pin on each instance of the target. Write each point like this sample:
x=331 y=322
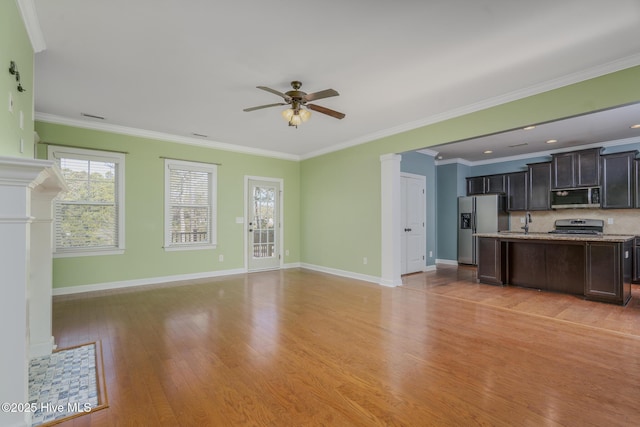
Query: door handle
x=407 y=229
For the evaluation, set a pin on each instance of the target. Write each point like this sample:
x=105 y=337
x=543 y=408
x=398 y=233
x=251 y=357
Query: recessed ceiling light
x=551 y=141
x=488 y=152
x=636 y=126
x=440 y=157
x=529 y=127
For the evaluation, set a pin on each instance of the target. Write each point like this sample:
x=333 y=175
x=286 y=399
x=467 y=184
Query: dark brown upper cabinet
x=490 y=184
x=576 y=169
x=539 y=186
x=637 y=184
x=516 y=191
x=618 y=180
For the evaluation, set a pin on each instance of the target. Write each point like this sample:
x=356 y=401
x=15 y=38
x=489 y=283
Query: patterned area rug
x=66 y=384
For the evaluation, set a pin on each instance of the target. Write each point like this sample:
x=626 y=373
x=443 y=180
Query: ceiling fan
x=298 y=99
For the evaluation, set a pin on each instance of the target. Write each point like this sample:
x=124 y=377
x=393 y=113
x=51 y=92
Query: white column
x=18 y=178
x=391 y=220
x=40 y=289
x=14 y=268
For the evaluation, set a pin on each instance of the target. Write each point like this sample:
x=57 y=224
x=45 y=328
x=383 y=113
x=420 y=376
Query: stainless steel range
x=578 y=226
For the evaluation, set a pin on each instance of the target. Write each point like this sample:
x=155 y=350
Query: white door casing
x=263 y=223
x=413 y=239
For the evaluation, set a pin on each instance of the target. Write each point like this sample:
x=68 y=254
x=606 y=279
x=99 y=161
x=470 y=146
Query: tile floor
x=63 y=384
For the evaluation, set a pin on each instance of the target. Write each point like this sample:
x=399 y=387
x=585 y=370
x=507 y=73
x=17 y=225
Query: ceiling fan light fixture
x=296 y=117
x=295 y=120
x=305 y=114
x=287 y=114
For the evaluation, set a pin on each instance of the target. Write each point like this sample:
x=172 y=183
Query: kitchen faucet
x=527 y=221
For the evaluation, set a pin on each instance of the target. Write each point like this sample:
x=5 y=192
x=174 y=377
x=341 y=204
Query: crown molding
x=32 y=24
x=583 y=75
x=454 y=161
x=142 y=133
x=428 y=152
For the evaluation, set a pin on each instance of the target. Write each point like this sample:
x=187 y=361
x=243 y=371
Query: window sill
x=88 y=253
x=176 y=248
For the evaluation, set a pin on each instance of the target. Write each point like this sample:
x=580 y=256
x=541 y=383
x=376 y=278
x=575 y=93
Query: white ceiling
x=183 y=67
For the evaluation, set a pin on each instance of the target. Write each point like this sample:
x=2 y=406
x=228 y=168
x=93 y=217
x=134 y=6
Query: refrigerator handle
x=473 y=222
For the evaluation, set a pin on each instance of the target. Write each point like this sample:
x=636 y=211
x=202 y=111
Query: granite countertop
x=550 y=236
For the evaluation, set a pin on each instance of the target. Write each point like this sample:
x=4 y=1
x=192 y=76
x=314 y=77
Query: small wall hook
x=12 y=67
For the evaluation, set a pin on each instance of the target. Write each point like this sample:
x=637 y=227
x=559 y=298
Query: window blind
x=86 y=217
x=190 y=205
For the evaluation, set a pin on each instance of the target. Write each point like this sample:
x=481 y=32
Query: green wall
x=144 y=200
x=341 y=190
x=15 y=46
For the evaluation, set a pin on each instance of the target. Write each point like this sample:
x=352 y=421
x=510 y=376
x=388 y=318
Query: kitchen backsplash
x=625 y=221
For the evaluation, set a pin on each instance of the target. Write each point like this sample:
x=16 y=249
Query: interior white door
x=263 y=225
x=413 y=242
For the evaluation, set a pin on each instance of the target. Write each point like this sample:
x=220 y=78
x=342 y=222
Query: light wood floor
x=301 y=348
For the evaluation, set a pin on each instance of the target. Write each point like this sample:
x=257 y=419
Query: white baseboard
x=447 y=261
x=69 y=290
x=292 y=265
x=344 y=273
x=143 y=282
x=429 y=268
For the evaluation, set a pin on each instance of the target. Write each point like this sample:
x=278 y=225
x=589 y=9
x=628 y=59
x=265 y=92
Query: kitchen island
x=598 y=267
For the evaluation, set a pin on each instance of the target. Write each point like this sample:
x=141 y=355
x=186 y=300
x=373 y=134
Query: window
x=89 y=218
x=190 y=205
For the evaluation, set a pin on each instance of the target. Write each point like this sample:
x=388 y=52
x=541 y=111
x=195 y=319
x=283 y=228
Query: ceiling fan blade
x=276 y=92
x=264 y=106
x=319 y=95
x=326 y=111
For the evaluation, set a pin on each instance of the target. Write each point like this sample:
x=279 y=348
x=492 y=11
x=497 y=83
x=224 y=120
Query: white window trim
x=203 y=167
x=55 y=153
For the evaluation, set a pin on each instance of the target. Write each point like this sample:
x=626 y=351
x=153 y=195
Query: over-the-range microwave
x=588 y=197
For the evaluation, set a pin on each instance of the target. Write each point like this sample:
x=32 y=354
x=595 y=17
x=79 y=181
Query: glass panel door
x=263 y=225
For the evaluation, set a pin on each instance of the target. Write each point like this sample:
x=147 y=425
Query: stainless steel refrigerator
x=478 y=214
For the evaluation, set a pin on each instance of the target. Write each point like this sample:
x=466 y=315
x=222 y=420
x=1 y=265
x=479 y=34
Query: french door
x=263 y=224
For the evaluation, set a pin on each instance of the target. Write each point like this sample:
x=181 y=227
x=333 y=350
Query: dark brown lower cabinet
x=636 y=261
x=609 y=270
x=490 y=261
x=600 y=271
x=547 y=266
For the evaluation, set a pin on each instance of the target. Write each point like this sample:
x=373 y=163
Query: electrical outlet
x=364 y=260
x=286 y=252
x=430 y=254
x=522 y=220
x=221 y=258
x=609 y=221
